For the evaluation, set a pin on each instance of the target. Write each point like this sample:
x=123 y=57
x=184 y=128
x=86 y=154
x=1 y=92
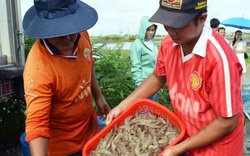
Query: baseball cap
x=178 y=13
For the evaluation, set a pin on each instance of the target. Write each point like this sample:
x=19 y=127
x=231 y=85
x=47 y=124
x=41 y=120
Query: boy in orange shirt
x=59 y=78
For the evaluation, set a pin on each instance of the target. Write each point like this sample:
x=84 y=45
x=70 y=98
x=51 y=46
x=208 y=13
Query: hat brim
x=171 y=18
x=35 y=26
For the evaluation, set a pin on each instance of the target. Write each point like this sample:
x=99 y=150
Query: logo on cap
x=179 y=4
x=201 y=5
x=174 y=4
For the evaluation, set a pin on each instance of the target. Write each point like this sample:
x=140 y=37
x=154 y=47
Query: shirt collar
x=200 y=46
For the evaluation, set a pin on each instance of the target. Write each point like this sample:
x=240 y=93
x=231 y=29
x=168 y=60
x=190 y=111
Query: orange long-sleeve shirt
x=59 y=99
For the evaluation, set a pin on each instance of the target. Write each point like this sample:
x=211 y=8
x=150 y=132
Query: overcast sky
x=123 y=16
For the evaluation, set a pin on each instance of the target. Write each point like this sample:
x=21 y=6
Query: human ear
x=203 y=17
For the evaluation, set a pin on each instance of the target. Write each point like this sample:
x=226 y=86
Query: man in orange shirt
x=59 y=78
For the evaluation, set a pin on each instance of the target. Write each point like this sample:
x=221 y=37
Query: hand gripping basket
x=144 y=105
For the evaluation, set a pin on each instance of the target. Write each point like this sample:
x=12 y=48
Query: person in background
x=222 y=32
x=239 y=47
x=143 y=52
x=59 y=78
x=214 y=24
x=203 y=78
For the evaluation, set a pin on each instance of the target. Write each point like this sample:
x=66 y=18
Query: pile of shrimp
x=143 y=134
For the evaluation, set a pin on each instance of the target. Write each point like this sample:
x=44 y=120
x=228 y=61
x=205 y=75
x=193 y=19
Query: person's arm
x=100 y=101
x=38 y=97
x=242 y=50
x=39 y=146
x=149 y=87
x=136 y=64
x=215 y=130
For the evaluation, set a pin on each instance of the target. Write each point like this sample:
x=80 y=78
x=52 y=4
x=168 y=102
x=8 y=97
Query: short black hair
x=214 y=22
x=221 y=28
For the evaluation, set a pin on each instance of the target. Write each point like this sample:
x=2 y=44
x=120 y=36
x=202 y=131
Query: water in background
x=126 y=45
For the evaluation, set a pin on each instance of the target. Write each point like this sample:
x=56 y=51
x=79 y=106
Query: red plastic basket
x=144 y=105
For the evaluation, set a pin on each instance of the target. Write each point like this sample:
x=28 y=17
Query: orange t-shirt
x=59 y=99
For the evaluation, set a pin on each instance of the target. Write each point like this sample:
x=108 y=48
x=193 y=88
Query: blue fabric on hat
x=39 y=27
x=58 y=13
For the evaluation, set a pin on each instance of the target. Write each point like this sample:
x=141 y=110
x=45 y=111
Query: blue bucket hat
x=54 y=18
